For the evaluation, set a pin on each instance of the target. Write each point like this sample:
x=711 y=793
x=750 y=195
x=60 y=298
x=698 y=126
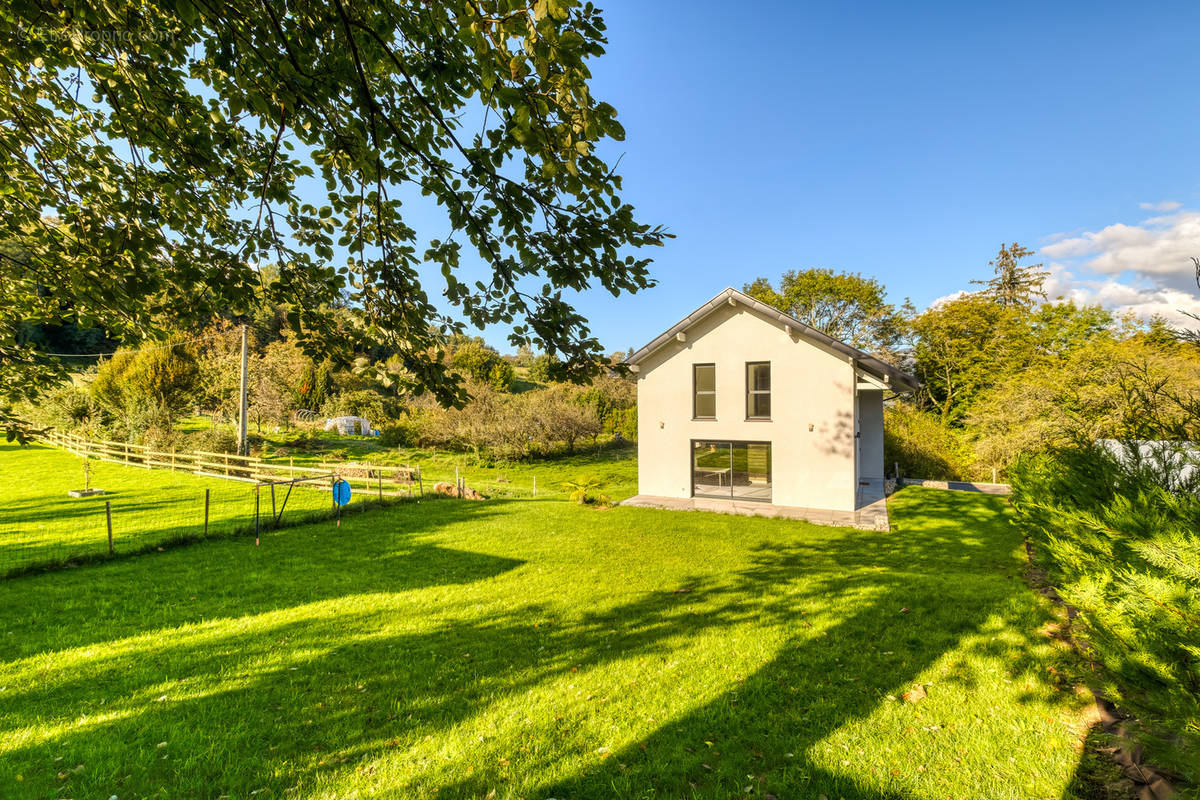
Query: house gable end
x=676 y=336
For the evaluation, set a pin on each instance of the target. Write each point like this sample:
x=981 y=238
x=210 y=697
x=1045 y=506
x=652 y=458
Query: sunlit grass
x=41 y=525
x=541 y=649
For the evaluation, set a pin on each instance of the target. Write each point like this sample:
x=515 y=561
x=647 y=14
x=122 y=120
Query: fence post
x=257 y=498
x=108 y=518
x=420 y=482
x=206 y=491
x=380 y=476
x=535 y=485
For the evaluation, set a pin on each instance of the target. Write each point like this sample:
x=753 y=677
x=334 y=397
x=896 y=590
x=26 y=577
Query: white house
x=740 y=403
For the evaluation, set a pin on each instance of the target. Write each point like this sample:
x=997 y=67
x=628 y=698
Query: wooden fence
x=385 y=480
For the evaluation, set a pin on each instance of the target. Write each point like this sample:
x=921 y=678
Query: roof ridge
x=873 y=363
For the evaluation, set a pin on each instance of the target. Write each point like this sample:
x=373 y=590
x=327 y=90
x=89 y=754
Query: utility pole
x=243 y=449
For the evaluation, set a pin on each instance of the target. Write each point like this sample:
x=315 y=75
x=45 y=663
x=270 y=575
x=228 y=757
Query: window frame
x=696 y=392
x=751 y=393
x=733 y=445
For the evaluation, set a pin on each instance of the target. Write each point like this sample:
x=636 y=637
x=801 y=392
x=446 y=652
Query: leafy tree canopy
x=163 y=377
x=474 y=357
x=843 y=305
x=153 y=155
x=963 y=346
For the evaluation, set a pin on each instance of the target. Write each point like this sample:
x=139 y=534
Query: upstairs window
x=704 y=391
x=758 y=390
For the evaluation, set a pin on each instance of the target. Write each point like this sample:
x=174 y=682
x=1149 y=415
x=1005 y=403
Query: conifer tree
x=1015 y=285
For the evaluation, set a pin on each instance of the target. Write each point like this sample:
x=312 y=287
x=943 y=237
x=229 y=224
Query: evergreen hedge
x=1119 y=535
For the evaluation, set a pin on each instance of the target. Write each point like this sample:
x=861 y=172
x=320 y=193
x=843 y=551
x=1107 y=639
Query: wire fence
x=154 y=499
x=154 y=510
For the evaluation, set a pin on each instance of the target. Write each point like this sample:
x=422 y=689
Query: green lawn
x=41 y=525
x=521 y=648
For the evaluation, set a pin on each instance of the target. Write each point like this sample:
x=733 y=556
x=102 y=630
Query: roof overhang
x=892 y=378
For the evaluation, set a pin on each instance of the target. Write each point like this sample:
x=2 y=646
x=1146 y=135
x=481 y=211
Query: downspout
x=857 y=437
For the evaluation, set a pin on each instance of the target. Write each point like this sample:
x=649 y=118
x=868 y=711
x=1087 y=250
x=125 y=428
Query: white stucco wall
x=810 y=385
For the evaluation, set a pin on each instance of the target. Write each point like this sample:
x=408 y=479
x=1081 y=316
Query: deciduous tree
x=163 y=378
x=844 y=305
x=965 y=345
x=154 y=154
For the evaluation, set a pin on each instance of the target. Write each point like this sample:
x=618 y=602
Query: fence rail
x=251 y=498
x=382 y=480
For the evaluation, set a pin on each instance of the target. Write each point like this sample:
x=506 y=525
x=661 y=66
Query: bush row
x=1117 y=532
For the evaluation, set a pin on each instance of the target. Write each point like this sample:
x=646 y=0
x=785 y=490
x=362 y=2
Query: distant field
x=613 y=464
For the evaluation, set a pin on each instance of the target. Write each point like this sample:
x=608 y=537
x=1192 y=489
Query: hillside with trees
x=1005 y=370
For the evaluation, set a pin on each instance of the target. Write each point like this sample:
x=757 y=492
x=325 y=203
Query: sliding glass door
x=731 y=470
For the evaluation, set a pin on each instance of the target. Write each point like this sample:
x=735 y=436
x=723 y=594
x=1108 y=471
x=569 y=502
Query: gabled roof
x=896 y=378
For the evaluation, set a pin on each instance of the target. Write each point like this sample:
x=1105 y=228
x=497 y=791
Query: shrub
x=213 y=440
x=610 y=399
x=1119 y=538
x=586 y=491
x=501 y=376
x=923 y=445
x=69 y=408
x=483 y=364
x=624 y=423
x=546 y=368
x=404 y=433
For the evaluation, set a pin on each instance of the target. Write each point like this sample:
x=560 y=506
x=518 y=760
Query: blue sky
x=905 y=142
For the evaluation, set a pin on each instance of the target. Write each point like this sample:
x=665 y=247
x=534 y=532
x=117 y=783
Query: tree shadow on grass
x=342 y=694
x=380 y=551
x=883 y=612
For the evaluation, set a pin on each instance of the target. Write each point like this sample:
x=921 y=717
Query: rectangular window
x=758 y=390
x=731 y=470
x=704 y=391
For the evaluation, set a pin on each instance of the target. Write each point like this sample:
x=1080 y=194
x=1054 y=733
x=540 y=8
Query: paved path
x=872 y=516
x=960 y=486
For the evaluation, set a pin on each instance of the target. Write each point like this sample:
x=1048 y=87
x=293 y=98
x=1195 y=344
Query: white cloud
x=948 y=298
x=1144 y=269
x=1165 y=205
x=1161 y=247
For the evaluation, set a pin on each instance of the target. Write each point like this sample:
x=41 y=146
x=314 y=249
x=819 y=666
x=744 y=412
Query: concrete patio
x=871 y=514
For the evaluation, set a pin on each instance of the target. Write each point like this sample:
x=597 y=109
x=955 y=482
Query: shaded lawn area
x=540 y=649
